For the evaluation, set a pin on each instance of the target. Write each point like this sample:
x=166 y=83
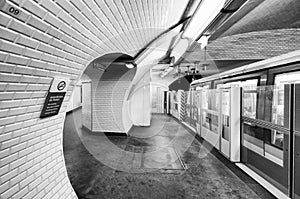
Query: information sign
x=55 y=97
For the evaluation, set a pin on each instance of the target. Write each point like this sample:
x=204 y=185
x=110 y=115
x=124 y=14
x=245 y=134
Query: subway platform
x=153 y=162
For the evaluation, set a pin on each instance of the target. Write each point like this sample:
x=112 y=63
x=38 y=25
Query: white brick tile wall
x=4 y=137
x=12 y=127
x=8 y=175
x=18 y=162
x=37 y=23
x=27 y=41
x=5 y=20
x=31 y=194
x=6 y=96
x=10 y=192
x=47 y=39
x=5 y=186
x=18 y=147
x=7 y=68
x=9 y=143
x=21 y=28
x=18 y=178
x=20 y=132
x=30 y=6
x=26 y=181
x=4 y=169
x=7 y=34
x=26 y=151
x=4 y=153
x=39 y=195
x=21 y=95
x=35 y=183
x=21 y=193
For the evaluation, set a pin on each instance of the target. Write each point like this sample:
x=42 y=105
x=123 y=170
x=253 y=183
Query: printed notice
x=54 y=98
x=52 y=104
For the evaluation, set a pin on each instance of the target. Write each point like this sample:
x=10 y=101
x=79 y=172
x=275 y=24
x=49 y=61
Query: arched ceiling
x=80 y=31
x=93 y=27
x=259 y=30
x=260 y=15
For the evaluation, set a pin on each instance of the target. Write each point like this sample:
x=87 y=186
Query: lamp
x=206 y=11
x=203 y=40
x=205 y=64
x=130 y=65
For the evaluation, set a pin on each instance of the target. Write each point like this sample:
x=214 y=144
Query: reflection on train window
x=277 y=139
x=210 y=99
x=287 y=78
x=278 y=105
x=206 y=86
x=278 y=94
x=210 y=121
x=249 y=103
x=250 y=83
x=264 y=142
x=250 y=96
x=225 y=114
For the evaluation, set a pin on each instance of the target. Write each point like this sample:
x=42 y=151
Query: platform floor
x=160 y=161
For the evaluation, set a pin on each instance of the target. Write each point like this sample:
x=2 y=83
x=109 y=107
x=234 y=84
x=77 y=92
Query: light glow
x=203 y=41
x=129 y=65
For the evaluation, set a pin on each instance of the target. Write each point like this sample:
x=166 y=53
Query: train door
x=293 y=78
x=270 y=142
x=230 y=122
x=265 y=143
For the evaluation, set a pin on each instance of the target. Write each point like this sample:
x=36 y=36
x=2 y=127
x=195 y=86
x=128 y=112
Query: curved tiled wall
x=39 y=40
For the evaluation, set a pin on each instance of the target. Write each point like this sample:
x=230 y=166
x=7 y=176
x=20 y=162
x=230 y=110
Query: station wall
x=39 y=41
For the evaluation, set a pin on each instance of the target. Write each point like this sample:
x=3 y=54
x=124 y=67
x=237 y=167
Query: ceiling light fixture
x=203 y=41
x=130 y=65
x=206 y=11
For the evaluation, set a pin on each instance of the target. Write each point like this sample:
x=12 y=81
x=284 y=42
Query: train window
x=225 y=114
x=210 y=99
x=278 y=104
x=287 y=78
x=206 y=86
x=249 y=103
x=244 y=83
x=278 y=94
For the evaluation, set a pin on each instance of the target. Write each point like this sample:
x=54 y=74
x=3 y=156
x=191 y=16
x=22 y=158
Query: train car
x=269 y=116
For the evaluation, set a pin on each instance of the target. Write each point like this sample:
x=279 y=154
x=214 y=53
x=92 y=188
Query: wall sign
x=10 y=9
x=55 y=97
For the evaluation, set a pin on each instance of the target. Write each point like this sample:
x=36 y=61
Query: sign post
x=55 y=97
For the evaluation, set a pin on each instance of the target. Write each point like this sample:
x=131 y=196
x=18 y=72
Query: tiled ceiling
x=260 y=29
x=267 y=15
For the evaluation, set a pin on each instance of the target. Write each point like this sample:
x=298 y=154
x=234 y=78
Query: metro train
x=251 y=115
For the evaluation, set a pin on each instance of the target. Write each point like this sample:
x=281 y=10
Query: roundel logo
x=61 y=85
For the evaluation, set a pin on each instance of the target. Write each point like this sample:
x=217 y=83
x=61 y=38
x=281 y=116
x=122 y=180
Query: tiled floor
x=161 y=161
